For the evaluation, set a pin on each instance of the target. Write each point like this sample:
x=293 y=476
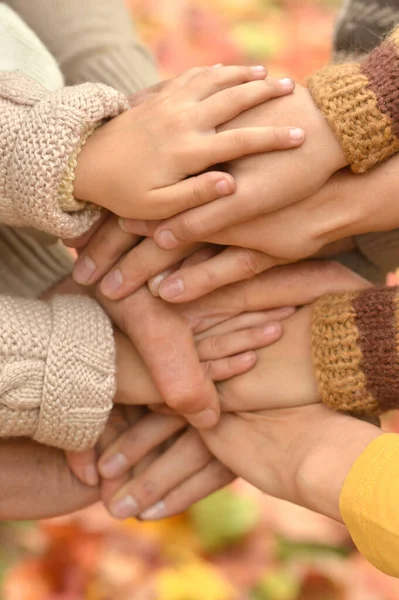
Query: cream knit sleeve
x=41 y=134
x=92 y=40
x=57 y=370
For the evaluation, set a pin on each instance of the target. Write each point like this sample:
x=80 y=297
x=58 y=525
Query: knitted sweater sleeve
x=92 y=40
x=360 y=102
x=41 y=134
x=355 y=347
x=57 y=370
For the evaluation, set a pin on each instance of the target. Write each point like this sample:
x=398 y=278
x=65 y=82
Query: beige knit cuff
x=57 y=370
x=45 y=132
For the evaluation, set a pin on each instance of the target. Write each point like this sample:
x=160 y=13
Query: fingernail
x=156 y=281
x=171 y=288
x=83 y=270
x=91 y=475
x=113 y=466
x=154 y=512
x=286 y=82
x=167 y=240
x=124 y=507
x=217 y=66
x=223 y=187
x=248 y=357
x=297 y=135
x=111 y=282
x=270 y=329
x=258 y=69
x=205 y=419
x=133 y=226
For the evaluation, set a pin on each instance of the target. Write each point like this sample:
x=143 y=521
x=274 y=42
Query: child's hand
x=137 y=164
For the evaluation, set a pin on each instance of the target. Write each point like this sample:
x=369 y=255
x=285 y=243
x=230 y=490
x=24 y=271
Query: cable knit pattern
x=39 y=132
x=55 y=386
x=355 y=346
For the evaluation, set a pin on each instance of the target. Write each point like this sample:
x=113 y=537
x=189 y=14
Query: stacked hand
x=159 y=359
x=154 y=465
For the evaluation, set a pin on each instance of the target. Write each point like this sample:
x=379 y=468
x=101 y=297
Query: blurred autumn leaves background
x=238 y=544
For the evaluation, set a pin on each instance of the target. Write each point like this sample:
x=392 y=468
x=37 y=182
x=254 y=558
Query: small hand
x=175 y=130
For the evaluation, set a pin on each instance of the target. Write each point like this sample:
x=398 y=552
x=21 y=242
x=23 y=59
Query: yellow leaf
x=194 y=580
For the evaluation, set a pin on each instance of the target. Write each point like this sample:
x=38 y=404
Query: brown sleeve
x=92 y=40
x=355 y=347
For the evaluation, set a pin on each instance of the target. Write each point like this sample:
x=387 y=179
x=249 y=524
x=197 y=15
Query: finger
x=211 y=478
x=201 y=255
x=138 y=266
x=166 y=345
x=187 y=456
x=231 y=265
x=230 y=344
x=83 y=466
x=139 y=226
x=80 y=242
x=288 y=285
x=191 y=192
x=236 y=143
x=224 y=106
x=210 y=81
x=195 y=258
x=136 y=442
x=102 y=251
x=200 y=225
x=246 y=321
x=226 y=368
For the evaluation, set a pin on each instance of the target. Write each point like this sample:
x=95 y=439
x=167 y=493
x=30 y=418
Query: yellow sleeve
x=370 y=500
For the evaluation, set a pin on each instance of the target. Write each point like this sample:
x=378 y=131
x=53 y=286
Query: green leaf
x=223 y=519
x=277 y=585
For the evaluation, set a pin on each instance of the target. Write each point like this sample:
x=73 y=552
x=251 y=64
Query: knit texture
x=360 y=102
x=55 y=386
x=92 y=40
x=40 y=136
x=355 y=348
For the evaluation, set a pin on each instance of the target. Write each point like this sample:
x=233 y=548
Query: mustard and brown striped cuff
x=355 y=350
x=360 y=102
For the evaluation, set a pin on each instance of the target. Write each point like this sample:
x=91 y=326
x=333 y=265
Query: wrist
x=333 y=448
x=87 y=176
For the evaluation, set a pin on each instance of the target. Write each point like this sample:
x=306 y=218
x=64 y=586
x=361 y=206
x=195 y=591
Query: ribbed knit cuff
x=57 y=370
x=127 y=68
x=361 y=106
x=41 y=135
x=355 y=339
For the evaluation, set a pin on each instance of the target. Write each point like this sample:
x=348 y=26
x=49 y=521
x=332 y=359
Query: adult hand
x=37 y=483
x=267 y=183
x=302 y=455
